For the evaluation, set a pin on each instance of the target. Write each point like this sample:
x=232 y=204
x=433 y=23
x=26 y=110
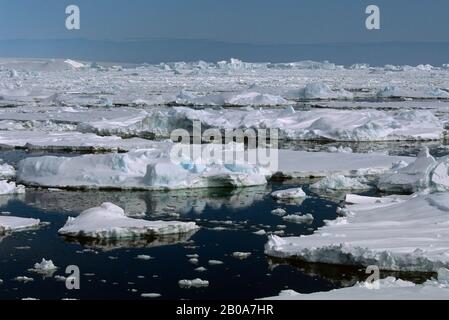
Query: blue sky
x=244 y=21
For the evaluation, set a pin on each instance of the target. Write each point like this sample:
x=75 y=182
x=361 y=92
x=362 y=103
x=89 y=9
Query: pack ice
x=109 y=221
x=407 y=233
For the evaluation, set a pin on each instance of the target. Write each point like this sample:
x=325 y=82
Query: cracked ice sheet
x=71 y=140
x=388 y=289
x=394 y=233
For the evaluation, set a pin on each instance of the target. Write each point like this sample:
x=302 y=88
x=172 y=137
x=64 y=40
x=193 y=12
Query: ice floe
x=110 y=221
x=195 y=283
x=299 y=218
x=394 y=233
x=384 y=289
x=293 y=193
x=45 y=267
x=10 y=223
x=150 y=169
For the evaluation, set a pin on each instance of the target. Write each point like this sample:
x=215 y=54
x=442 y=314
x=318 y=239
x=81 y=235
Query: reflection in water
x=144 y=242
x=153 y=203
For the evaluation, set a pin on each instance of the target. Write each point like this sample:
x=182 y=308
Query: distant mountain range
x=169 y=50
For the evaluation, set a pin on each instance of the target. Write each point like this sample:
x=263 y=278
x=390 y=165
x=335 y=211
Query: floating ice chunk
x=10 y=188
x=10 y=223
x=110 y=221
x=241 y=255
x=279 y=212
x=196 y=283
x=44 y=267
x=215 y=262
x=144 y=257
x=340 y=182
x=293 y=193
x=260 y=232
x=150 y=295
x=200 y=269
x=387 y=289
x=395 y=233
x=296 y=218
x=23 y=279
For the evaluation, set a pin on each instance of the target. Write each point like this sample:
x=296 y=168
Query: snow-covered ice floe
x=10 y=223
x=407 y=233
x=146 y=169
x=153 y=169
x=384 y=289
x=425 y=172
x=109 y=221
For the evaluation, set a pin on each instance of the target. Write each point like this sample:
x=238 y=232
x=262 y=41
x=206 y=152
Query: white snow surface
x=395 y=233
x=7 y=188
x=109 y=221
